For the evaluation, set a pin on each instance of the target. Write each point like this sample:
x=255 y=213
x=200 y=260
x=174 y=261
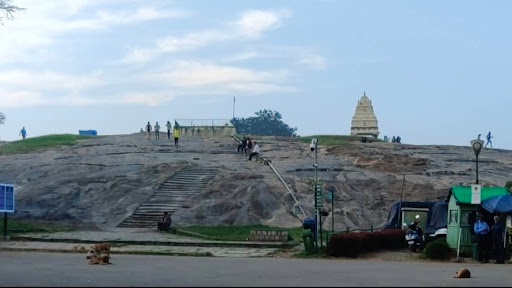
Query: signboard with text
x=318 y=195
x=6 y=198
x=476 y=194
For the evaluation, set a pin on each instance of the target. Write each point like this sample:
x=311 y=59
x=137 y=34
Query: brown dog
x=98 y=248
x=462 y=273
x=99 y=260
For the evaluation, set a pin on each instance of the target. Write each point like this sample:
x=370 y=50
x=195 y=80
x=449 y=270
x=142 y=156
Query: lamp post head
x=477 y=145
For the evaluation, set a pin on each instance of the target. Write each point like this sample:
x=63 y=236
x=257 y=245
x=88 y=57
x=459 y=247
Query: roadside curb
x=238 y=244
x=67 y=251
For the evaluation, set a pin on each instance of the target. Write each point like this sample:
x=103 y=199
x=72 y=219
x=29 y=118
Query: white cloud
x=198 y=74
x=206 y=78
x=104 y=19
x=27 y=88
x=48 y=80
x=150 y=99
x=36 y=28
x=138 y=56
x=241 y=57
x=313 y=61
x=251 y=24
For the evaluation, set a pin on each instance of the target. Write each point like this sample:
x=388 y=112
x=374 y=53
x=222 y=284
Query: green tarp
x=463 y=193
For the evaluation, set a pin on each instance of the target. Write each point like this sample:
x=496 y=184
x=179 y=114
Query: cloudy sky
x=438 y=72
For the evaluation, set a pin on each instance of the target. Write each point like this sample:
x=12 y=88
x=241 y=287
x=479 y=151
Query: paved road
x=52 y=269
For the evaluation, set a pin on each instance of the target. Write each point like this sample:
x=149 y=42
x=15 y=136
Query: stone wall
x=268 y=236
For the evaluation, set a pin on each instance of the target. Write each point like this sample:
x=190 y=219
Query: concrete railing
x=268 y=162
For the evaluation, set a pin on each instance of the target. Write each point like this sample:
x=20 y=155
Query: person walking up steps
x=169 y=128
x=176 y=135
x=157 y=131
x=489 y=140
x=148 y=129
x=23 y=133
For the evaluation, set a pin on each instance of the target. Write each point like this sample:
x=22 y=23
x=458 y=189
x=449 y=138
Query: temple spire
x=364 y=122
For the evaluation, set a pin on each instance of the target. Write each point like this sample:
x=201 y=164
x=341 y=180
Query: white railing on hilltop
x=203 y=122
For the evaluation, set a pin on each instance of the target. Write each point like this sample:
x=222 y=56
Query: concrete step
x=173 y=194
x=156 y=205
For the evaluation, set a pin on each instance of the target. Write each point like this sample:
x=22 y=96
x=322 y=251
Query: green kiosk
x=462 y=201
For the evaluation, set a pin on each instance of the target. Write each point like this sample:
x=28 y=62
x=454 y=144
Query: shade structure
x=502 y=203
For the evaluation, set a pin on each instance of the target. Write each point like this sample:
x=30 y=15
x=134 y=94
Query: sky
x=437 y=72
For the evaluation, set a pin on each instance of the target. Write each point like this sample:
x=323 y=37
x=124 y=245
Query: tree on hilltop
x=7 y=10
x=266 y=122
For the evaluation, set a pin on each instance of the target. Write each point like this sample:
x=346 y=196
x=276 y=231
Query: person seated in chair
x=165 y=224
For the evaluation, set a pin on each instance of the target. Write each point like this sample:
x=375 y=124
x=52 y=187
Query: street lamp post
x=314 y=146
x=477 y=145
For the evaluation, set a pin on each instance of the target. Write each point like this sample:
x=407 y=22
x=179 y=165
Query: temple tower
x=364 y=122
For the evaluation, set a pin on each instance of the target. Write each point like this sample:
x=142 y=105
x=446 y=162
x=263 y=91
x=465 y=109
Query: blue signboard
x=6 y=198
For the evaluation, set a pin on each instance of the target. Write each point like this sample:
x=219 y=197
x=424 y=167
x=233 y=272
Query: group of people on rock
x=396 y=139
x=247 y=145
x=175 y=132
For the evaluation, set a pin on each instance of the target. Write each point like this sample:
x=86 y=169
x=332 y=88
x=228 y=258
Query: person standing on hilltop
x=242 y=145
x=23 y=133
x=176 y=135
x=157 y=131
x=249 y=146
x=148 y=129
x=489 y=139
x=169 y=128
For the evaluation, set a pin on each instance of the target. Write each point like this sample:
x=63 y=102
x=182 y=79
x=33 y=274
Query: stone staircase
x=171 y=195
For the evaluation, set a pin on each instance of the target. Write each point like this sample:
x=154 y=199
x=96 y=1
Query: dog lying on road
x=101 y=247
x=99 y=260
x=92 y=254
x=462 y=273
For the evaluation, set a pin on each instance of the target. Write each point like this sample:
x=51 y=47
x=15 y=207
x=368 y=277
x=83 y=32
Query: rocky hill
x=101 y=181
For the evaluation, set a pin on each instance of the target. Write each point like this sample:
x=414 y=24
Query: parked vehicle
x=414 y=237
x=437 y=228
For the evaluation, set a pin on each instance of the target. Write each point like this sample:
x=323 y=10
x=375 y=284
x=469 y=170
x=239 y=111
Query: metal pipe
x=332 y=210
x=5 y=224
x=288 y=188
x=318 y=222
x=400 y=205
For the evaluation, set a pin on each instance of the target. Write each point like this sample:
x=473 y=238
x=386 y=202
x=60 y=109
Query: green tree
x=266 y=122
x=509 y=185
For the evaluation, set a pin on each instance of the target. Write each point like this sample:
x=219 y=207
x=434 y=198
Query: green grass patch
x=40 y=143
x=331 y=140
x=239 y=233
x=18 y=227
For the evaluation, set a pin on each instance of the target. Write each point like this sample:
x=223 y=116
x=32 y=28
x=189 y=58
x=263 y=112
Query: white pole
x=458 y=244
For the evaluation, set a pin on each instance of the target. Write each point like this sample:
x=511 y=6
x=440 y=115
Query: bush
x=437 y=249
x=508 y=185
x=353 y=244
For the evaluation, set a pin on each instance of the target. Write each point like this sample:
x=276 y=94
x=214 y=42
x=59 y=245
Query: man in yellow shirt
x=176 y=135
